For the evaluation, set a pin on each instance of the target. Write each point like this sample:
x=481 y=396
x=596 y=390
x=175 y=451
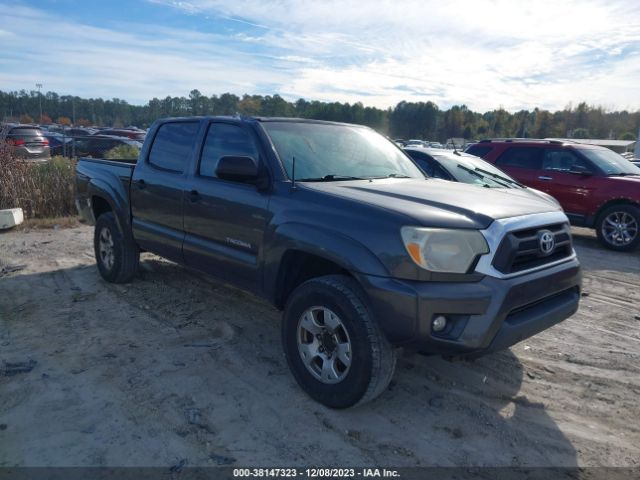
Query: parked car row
x=129 y=132
x=96 y=146
x=596 y=187
x=417 y=143
x=40 y=143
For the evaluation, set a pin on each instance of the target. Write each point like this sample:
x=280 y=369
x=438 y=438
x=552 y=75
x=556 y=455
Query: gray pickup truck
x=337 y=227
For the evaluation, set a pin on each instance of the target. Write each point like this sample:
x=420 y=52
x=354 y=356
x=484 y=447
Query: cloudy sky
x=485 y=54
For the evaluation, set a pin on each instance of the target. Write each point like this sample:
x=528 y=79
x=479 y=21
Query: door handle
x=543 y=177
x=194 y=196
x=140 y=183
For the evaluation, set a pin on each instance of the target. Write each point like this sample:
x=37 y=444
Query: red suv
x=596 y=187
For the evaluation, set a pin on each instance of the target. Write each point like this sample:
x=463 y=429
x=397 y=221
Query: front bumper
x=484 y=316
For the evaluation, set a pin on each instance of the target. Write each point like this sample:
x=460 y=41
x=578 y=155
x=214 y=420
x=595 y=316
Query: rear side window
x=25 y=132
x=478 y=150
x=172 y=146
x=522 y=157
x=424 y=161
x=225 y=140
x=429 y=165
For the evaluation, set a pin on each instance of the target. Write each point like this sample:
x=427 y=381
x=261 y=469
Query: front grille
x=520 y=250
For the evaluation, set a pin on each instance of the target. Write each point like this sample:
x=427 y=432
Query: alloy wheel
x=620 y=228
x=324 y=345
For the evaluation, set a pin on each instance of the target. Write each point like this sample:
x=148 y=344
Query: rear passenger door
x=524 y=164
x=224 y=220
x=157 y=189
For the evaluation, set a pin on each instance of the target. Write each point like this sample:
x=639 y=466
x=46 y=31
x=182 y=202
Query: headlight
x=444 y=250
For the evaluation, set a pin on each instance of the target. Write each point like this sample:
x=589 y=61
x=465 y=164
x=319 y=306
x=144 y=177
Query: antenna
x=455 y=150
x=293 y=173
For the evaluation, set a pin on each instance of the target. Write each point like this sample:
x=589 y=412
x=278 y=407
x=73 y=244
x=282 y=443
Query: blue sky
x=483 y=53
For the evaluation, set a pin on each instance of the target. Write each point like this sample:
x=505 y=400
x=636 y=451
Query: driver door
x=570 y=189
x=224 y=220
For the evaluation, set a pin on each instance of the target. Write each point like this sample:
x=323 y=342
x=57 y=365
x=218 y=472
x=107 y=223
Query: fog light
x=439 y=323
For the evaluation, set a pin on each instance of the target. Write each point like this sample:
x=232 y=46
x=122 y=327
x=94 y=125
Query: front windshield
x=336 y=152
x=472 y=163
x=610 y=162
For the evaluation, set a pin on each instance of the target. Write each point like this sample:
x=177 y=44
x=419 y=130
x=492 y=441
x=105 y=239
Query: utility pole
x=39 y=86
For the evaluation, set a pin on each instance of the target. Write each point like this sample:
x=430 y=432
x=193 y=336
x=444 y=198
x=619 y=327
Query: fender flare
x=334 y=246
x=117 y=199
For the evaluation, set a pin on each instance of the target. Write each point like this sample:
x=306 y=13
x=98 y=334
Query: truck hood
x=440 y=203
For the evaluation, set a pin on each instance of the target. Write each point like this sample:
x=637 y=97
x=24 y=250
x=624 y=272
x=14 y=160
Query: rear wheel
x=334 y=348
x=117 y=255
x=618 y=227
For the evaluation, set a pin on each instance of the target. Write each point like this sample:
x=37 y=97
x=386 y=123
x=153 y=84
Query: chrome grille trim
x=501 y=227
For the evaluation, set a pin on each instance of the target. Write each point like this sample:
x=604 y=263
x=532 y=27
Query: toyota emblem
x=547 y=242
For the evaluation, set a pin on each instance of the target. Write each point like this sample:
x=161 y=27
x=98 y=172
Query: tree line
x=423 y=120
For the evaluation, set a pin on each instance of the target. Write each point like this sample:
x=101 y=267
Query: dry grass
x=42 y=190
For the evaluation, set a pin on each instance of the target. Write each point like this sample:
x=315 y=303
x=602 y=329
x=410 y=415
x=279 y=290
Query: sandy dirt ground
x=177 y=369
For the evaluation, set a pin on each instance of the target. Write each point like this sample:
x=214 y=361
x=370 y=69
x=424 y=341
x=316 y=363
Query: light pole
x=39 y=86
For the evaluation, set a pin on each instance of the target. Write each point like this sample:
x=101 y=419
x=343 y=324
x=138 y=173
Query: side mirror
x=237 y=169
x=580 y=170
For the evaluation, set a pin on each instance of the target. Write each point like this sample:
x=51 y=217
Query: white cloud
x=88 y=61
x=485 y=53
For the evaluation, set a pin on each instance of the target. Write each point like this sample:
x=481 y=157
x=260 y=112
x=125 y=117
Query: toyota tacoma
x=339 y=229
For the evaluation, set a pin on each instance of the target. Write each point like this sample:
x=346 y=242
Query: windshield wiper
x=481 y=177
x=329 y=178
x=398 y=175
x=504 y=179
x=391 y=175
x=475 y=172
x=621 y=174
x=471 y=171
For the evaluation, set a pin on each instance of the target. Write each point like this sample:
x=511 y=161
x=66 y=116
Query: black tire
x=372 y=358
x=624 y=211
x=123 y=264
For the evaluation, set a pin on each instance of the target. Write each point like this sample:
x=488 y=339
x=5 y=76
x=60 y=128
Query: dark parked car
x=96 y=146
x=57 y=143
x=462 y=167
x=27 y=141
x=132 y=134
x=337 y=227
x=78 y=132
x=597 y=187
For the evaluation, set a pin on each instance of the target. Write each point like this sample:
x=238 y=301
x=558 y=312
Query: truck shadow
x=480 y=406
x=179 y=356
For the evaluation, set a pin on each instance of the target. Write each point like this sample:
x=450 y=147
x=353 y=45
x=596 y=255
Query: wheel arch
x=300 y=252
x=612 y=203
x=104 y=198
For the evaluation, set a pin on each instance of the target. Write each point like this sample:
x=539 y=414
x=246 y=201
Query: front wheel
x=334 y=348
x=617 y=227
x=117 y=255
